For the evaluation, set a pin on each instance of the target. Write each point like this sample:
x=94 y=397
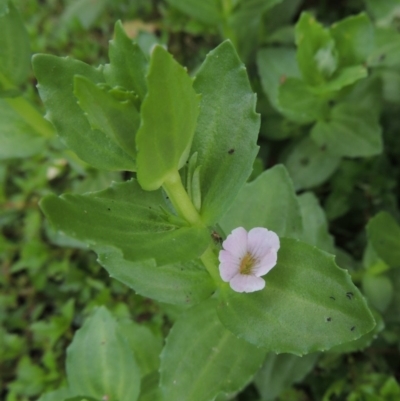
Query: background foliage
x=50 y=284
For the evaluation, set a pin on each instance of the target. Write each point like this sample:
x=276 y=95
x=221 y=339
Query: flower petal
x=261 y=241
x=229 y=265
x=236 y=242
x=266 y=264
x=246 y=283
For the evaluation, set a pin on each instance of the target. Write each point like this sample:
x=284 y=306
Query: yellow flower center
x=247 y=263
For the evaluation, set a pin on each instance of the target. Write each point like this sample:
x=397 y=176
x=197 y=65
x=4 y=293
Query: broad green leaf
x=310 y=108
x=269 y=201
x=349 y=131
x=128 y=64
x=119 y=121
x=310 y=165
x=180 y=283
x=275 y=66
x=308 y=304
x=315 y=227
x=4 y=9
x=384 y=234
x=316 y=53
x=128 y=218
x=386 y=51
x=354 y=39
x=144 y=344
x=280 y=372
x=207 y=11
x=169 y=113
x=100 y=361
x=17 y=138
x=383 y=11
x=227 y=130
x=84 y=11
x=214 y=361
x=56 y=78
x=15 y=52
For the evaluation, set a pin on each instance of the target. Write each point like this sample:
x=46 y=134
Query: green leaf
x=144 y=344
x=311 y=107
x=56 y=78
x=169 y=113
x=280 y=372
x=128 y=218
x=275 y=66
x=354 y=39
x=17 y=138
x=315 y=225
x=310 y=165
x=119 y=121
x=84 y=11
x=180 y=283
x=57 y=395
x=128 y=64
x=269 y=201
x=384 y=234
x=316 y=54
x=307 y=305
x=227 y=129
x=149 y=389
x=350 y=131
x=214 y=361
x=386 y=51
x=206 y=11
x=379 y=290
x=100 y=362
x=15 y=54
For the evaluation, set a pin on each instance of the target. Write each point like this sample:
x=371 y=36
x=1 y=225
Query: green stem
x=180 y=199
x=28 y=112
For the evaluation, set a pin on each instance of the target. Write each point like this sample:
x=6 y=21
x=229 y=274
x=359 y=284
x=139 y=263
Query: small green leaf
x=100 y=362
x=307 y=305
x=314 y=223
x=61 y=394
x=310 y=165
x=354 y=39
x=379 y=290
x=169 y=113
x=119 y=121
x=128 y=218
x=280 y=372
x=15 y=51
x=316 y=54
x=227 y=129
x=17 y=138
x=180 y=283
x=384 y=234
x=56 y=79
x=128 y=64
x=311 y=107
x=350 y=131
x=269 y=201
x=210 y=349
x=275 y=66
x=144 y=344
x=207 y=11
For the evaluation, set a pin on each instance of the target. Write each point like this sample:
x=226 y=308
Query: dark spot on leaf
x=231 y=151
x=167 y=197
x=103 y=342
x=282 y=79
x=332 y=298
x=331 y=103
x=323 y=148
x=304 y=161
x=349 y=295
x=108 y=209
x=382 y=57
x=352 y=329
x=328 y=319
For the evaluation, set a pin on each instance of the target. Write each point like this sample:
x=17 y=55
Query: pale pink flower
x=246 y=256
